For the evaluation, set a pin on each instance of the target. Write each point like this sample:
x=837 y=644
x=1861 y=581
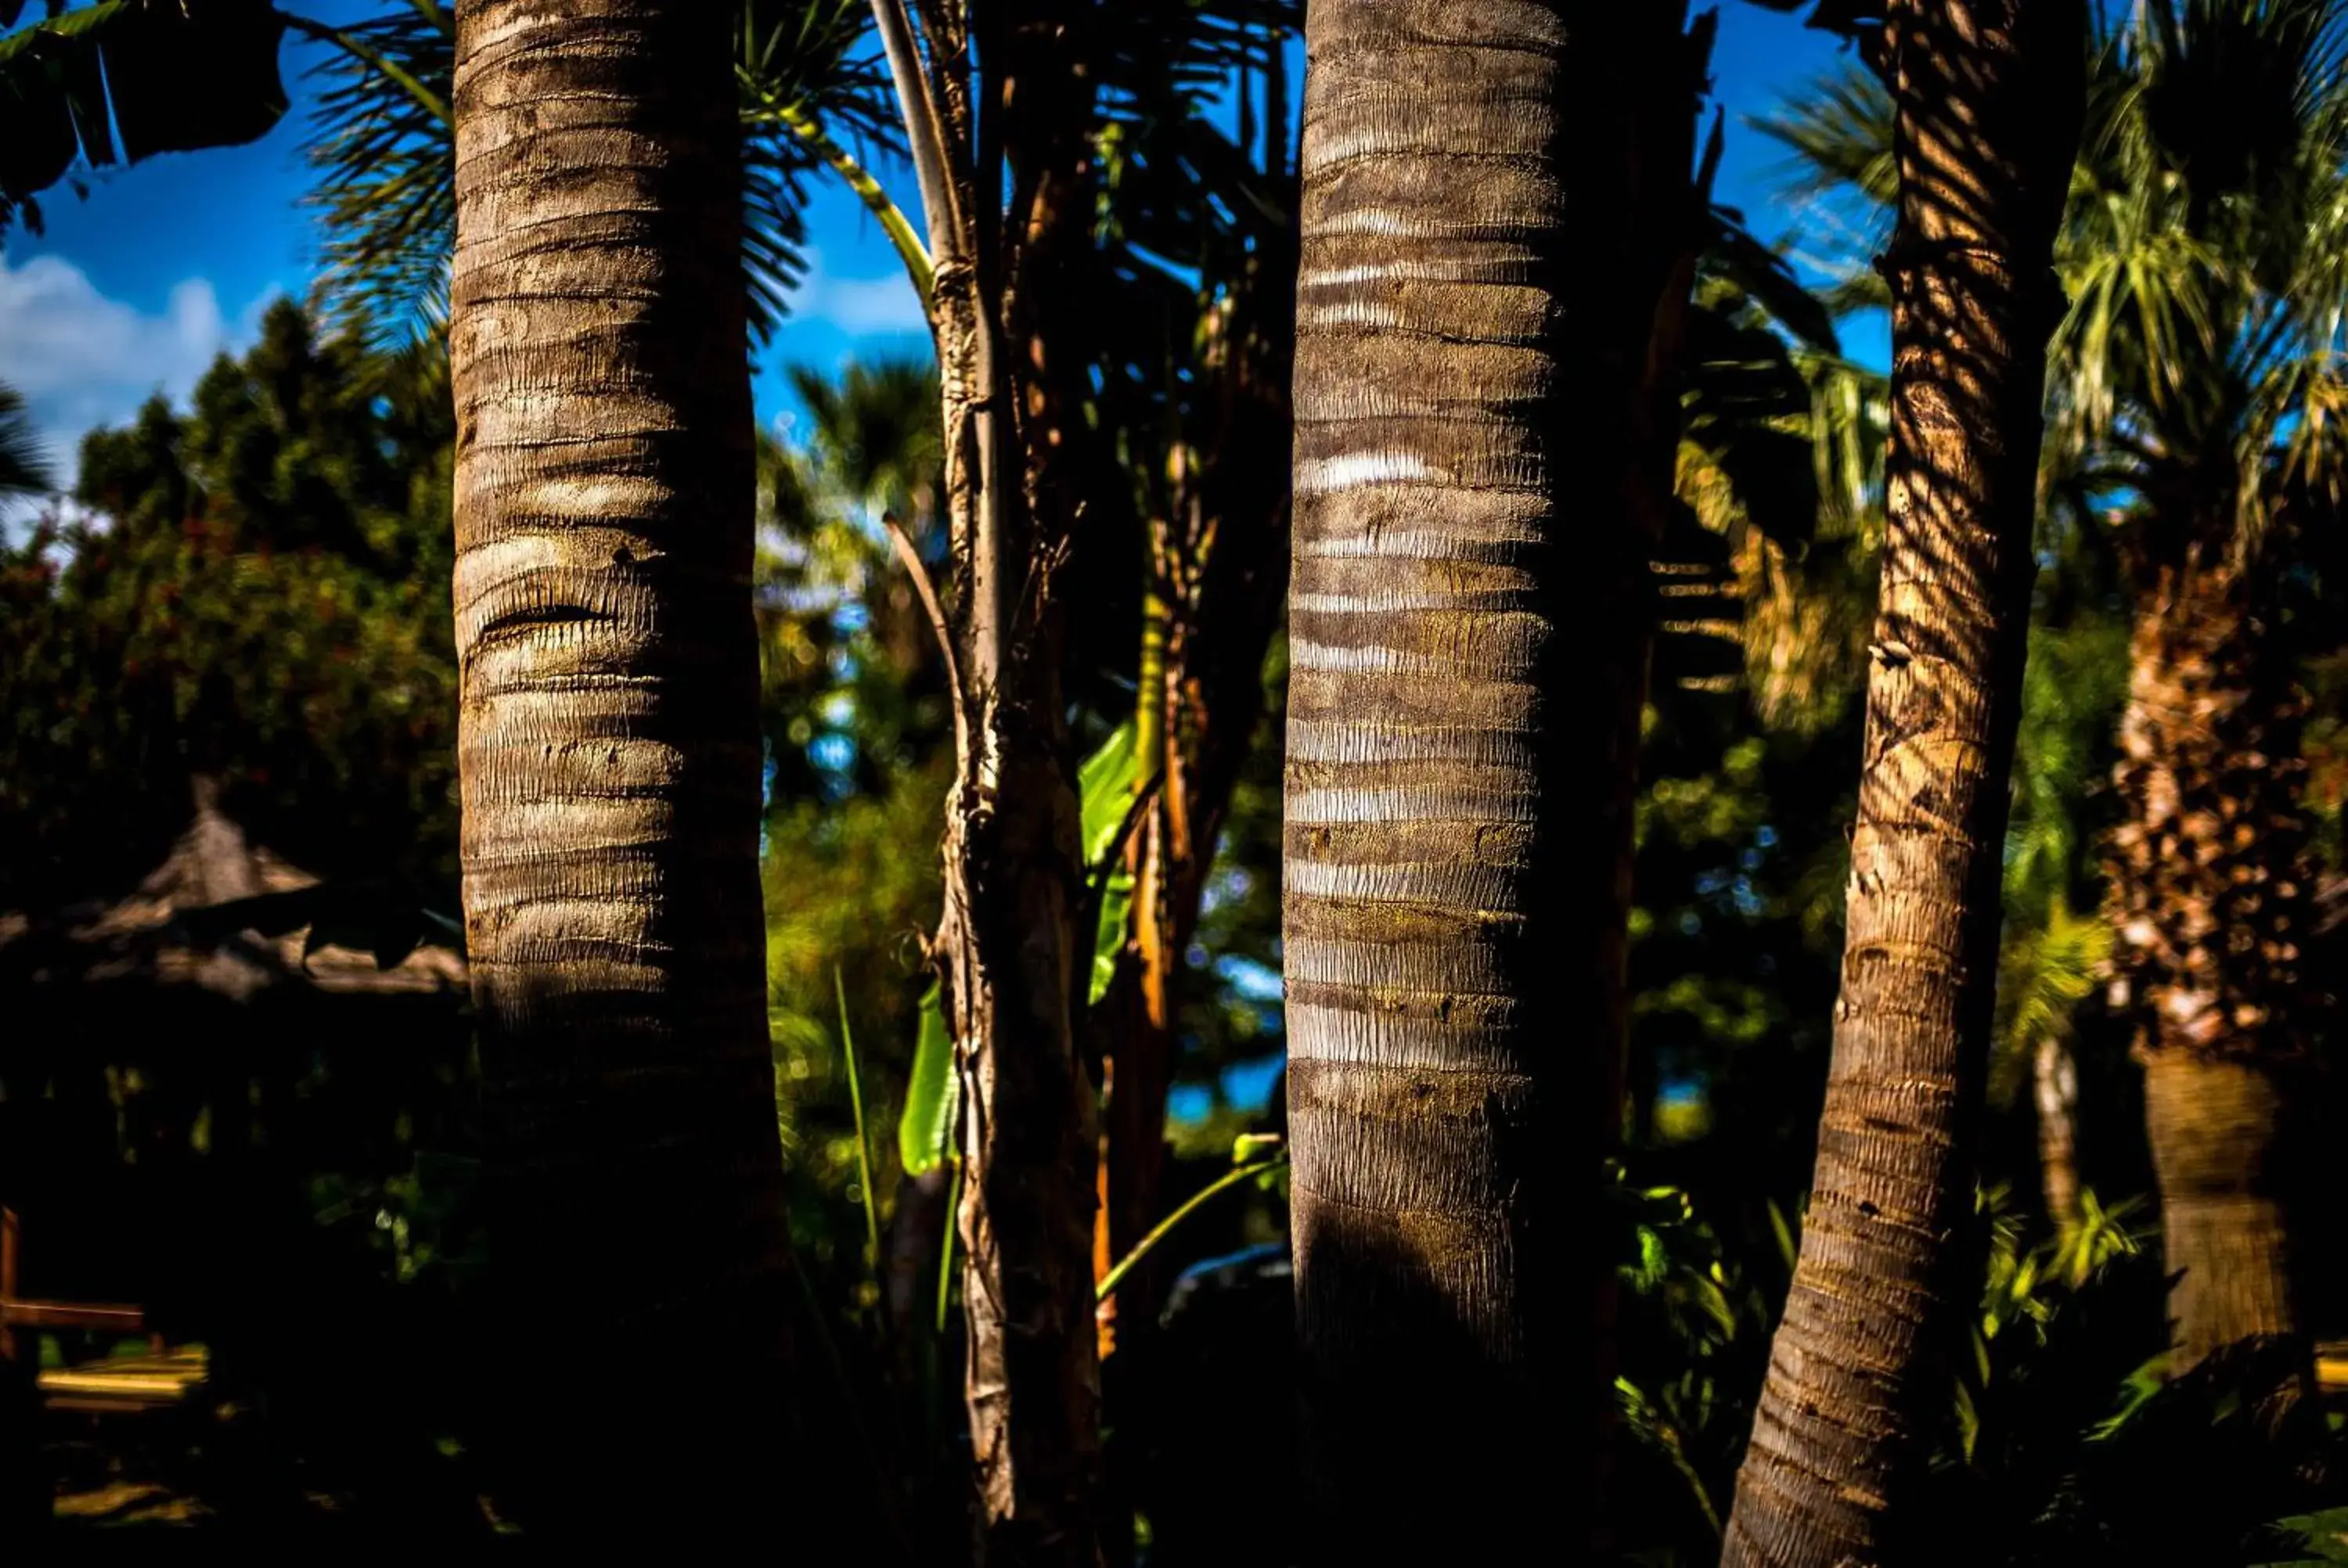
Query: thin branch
x=924 y=130
x=1141 y=1249
x=927 y=590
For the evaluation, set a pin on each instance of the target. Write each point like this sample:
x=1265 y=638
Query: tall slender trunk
x=609 y=758
x=1007 y=951
x=2211 y=903
x=1467 y=658
x=1988 y=98
x=1014 y=971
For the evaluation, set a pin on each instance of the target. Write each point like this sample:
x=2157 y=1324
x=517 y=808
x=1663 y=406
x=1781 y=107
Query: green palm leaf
x=24 y=466
x=380 y=141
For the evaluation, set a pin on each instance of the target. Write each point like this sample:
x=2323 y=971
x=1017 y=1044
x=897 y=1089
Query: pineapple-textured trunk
x=608 y=752
x=1987 y=95
x=2210 y=902
x=1465 y=659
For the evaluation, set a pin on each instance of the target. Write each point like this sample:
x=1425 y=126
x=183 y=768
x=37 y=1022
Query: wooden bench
x=162 y=1378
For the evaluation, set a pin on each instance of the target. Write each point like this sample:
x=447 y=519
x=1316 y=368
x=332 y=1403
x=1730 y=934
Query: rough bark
x=2211 y=903
x=2217 y=1127
x=1007 y=951
x=1476 y=497
x=609 y=756
x=1987 y=93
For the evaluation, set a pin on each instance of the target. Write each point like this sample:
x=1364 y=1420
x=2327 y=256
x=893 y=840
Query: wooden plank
x=127 y=1383
x=121 y=1318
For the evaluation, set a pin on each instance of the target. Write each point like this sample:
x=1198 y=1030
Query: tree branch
x=927 y=590
x=925 y=131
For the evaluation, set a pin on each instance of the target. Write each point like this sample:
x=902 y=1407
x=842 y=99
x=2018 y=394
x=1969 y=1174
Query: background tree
x=24 y=467
x=248 y=591
x=2209 y=258
x=2191 y=380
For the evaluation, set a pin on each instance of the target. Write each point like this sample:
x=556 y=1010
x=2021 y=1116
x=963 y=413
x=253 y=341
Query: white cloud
x=860 y=307
x=83 y=360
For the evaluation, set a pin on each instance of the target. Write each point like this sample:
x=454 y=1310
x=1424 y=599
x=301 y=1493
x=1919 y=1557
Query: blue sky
x=165 y=265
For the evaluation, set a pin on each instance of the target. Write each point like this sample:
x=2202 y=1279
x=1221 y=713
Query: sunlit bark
x=1988 y=98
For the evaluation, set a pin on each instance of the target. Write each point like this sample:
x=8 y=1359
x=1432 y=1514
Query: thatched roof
x=232 y=918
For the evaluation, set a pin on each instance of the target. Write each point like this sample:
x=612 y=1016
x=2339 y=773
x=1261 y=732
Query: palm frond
x=24 y=466
x=1838 y=137
x=381 y=144
x=385 y=196
x=875 y=431
x=2045 y=971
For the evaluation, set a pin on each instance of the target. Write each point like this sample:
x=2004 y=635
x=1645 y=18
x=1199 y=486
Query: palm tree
x=1485 y=453
x=381 y=135
x=2193 y=387
x=24 y=466
x=608 y=752
x=1987 y=102
x=2208 y=247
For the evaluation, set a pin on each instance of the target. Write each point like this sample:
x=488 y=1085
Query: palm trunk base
x=2217 y=1127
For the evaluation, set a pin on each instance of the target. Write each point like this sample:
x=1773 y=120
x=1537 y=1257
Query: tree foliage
x=249 y=589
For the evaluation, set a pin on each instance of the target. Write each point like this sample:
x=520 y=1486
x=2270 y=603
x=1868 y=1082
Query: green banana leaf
x=1103 y=795
x=176 y=75
x=925 y=1128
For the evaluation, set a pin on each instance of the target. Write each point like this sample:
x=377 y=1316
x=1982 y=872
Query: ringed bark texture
x=608 y=752
x=2211 y=903
x=1987 y=93
x=1425 y=481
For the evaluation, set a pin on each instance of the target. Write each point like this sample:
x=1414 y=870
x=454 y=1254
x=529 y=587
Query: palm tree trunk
x=1466 y=659
x=2211 y=901
x=1988 y=100
x=2217 y=1127
x=2054 y=1091
x=608 y=757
